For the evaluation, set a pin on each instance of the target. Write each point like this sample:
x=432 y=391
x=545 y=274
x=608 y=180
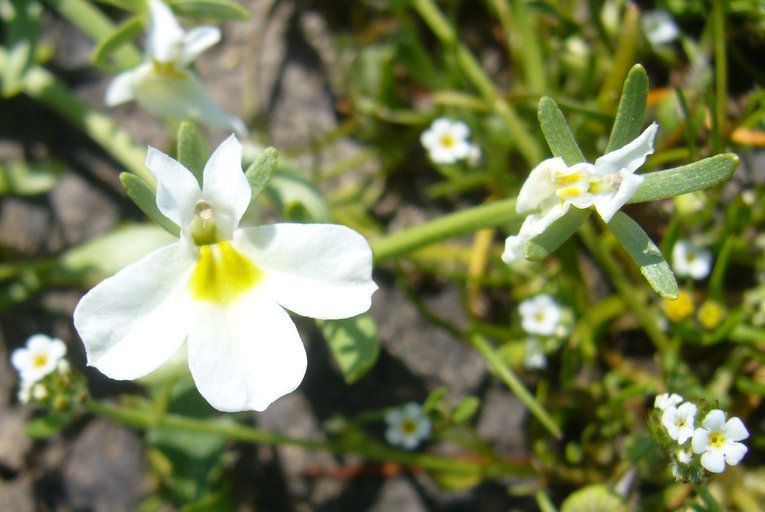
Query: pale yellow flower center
x=716 y=439
x=448 y=141
x=222 y=274
x=40 y=360
x=408 y=427
x=168 y=69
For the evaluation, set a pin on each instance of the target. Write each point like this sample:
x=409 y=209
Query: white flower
x=534 y=357
x=552 y=187
x=683 y=457
x=679 y=421
x=665 y=400
x=474 y=155
x=407 y=426
x=717 y=441
x=659 y=27
x=25 y=391
x=446 y=141
x=222 y=288
x=690 y=260
x=40 y=357
x=540 y=314
x=164 y=83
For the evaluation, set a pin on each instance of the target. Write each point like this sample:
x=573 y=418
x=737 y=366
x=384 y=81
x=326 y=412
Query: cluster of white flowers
x=541 y=315
x=447 y=142
x=690 y=260
x=716 y=440
x=553 y=187
x=408 y=426
x=41 y=357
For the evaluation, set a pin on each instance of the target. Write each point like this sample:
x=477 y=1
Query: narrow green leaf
x=594 y=498
x=43 y=428
x=215 y=9
x=297 y=196
x=556 y=233
x=128 y=5
x=435 y=400
x=354 y=344
x=686 y=178
x=629 y=117
x=646 y=254
x=260 y=171
x=192 y=151
x=557 y=132
x=143 y=196
x=466 y=409
x=22 y=179
x=123 y=34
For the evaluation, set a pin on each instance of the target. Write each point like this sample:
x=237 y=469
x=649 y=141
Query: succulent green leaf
x=215 y=9
x=354 y=343
x=260 y=171
x=298 y=197
x=46 y=426
x=646 y=254
x=466 y=409
x=686 y=178
x=192 y=151
x=123 y=34
x=128 y=5
x=143 y=196
x=594 y=498
x=631 y=112
x=557 y=132
x=556 y=233
x=22 y=179
x=435 y=400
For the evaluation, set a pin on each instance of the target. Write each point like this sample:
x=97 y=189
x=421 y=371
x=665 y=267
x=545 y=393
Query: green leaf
x=21 y=27
x=354 y=344
x=556 y=233
x=631 y=112
x=215 y=9
x=298 y=197
x=143 y=196
x=21 y=179
x=192 y=151
x=435 y=400
x=260 y=171
x=43 y=428
x=466 y=409
x=557 y=132
x=128 y=5
x=646 y=254
x=594 y=498
x=686 y=178
x=121 y=35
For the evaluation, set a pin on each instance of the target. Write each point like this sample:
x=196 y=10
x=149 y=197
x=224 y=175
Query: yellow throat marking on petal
x=168 y=69
x=447 y=141
x=568 y=179
x=716 y=440
x=40 y=360
x=568 y=193
x=222 y=274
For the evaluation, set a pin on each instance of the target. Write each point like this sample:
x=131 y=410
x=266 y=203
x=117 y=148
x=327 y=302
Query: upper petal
x=120 y=89
x=164 y=41
x=608 y=204
x=245 y=355
x=714 y=420
x=135 y=320
x=177 y=189
x=196 y=41
x=224 y=184
x=315 y=270
x=630 y=156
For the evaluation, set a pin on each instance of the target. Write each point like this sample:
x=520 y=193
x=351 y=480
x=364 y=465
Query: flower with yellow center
x=717 y=441
x=222 y=288
x=164 y=83
x=553 y=187
x=540 y=314
x=447 y=141
x=40 y=357
x=679 y=421
x=408 y=426
x=691 y=260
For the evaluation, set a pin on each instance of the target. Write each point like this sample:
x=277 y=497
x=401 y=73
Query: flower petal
x=714 y=420
x=196 y=41
x=165 y=37
x=608 y=204
x=630 y=156
x=177 y=189
x=533 y=225
x=735 y=430
x=315 y=270
x=120 y=90
x=700 y=440
x=246 y=355
x=713 y=460
x=734 y=452
x=539 y=185
x=135 y=320
x=224 y=184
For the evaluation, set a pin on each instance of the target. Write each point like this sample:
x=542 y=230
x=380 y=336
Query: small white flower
x=223 y=289
x=39 y=392
x=665 y=400
x=540 y=315
x=552 y=187
x=408 y=426
x=474 y=155
x=679 y=421
x=683 y=457
x=717 y=441
x=534 y=357
x=40 y=357
x=659 y=27
x=691 y=260
x=164 y=83
x=25 y=391
x=447 y=141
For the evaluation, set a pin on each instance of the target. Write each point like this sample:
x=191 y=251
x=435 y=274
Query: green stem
x=247 y=434
x=522 y=41
x=703 y=492
x=544 y=503
x=453 y=225
x=721 y=65
x=513 y=382
x=443 y=30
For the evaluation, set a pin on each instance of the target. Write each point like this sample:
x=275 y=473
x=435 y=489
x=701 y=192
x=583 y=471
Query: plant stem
x=721 y=65
x=703 y=492
x=513 y=382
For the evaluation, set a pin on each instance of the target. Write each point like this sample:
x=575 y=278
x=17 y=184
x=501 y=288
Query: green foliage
x=260 y=171
x=220 y=10
x=594 y=498
x=192 y=150
x=21 y=22
x=22 y=179
x=145 y=198
x=354 y=343
x=48 y=425
x=121 y=35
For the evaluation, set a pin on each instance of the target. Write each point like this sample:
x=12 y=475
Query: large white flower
x=553 y=187
x=40 y=357
x=690 y=260
x=407 y=426
x=222 y=287
x=717 y=441
x=447 y=141
x=164 y=82
x=540 y=315
x=679 y=421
